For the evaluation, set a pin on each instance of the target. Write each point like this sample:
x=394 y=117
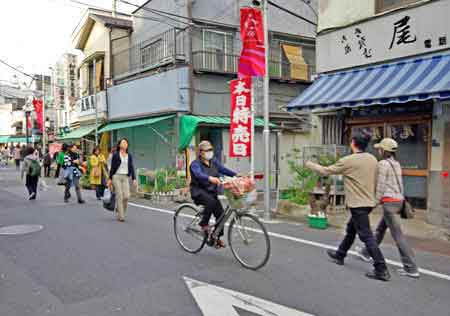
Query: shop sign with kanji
x=241 y=118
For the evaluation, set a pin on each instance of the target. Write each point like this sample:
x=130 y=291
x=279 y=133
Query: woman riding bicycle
x=205 y=174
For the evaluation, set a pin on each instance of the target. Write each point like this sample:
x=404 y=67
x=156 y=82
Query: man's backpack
x=34 y=169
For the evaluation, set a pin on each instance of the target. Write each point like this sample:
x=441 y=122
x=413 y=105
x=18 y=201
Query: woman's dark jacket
x=115 y=164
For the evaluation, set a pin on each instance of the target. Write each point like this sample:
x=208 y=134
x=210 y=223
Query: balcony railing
x=219 y=62
x=160 y=50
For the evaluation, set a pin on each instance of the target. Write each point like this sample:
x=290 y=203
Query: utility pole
x=95 y=102
x=266 y=132
x=114 y=8
x=44 y=133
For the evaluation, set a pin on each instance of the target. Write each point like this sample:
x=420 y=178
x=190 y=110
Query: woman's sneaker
x=403 y=272
x=363 y=255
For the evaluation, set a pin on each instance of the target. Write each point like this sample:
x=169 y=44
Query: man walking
x=359 y=170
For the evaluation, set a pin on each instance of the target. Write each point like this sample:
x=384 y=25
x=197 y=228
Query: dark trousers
x=31 y=183
x=99 y=191
x=47 y=171
x=58 y=169
x=17 y=161
x=359 y=224
x=212 y=206
x=76 y=183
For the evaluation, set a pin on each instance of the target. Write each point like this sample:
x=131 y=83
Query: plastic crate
x=318 y=222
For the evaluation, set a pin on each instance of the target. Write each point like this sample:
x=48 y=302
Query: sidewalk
x=421 y=234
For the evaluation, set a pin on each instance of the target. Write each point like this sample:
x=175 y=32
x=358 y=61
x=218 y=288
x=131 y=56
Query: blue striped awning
x=414 y=79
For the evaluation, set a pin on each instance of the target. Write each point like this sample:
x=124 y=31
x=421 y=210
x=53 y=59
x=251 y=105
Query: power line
x=16 y=69
x=163 y=14
x=291 y=13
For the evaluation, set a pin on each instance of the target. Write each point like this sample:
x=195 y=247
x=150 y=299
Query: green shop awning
x=4 y=139
x=78 y=133
x=133 y=123
x=189 y=124
x=18 y=139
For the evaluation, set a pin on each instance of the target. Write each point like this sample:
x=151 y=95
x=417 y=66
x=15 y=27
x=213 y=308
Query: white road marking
x=216 y=301
x=310 y=243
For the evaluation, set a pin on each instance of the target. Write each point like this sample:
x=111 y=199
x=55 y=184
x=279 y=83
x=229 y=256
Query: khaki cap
x=387 y=144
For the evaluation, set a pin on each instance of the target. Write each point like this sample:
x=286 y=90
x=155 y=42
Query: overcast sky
x=35 y=33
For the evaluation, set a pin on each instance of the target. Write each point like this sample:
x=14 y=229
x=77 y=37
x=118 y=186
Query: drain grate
x=20 y=229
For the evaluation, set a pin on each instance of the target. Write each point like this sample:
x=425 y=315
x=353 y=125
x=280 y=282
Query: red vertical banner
x=252 y=59
x=38 y=108
x=241 y=117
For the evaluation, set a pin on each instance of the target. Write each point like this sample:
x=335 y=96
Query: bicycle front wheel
x=187 y=230
x=249 y=241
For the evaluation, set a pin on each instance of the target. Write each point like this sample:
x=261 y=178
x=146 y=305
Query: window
x=386 y=5
x=152 y=54
x=218 y=51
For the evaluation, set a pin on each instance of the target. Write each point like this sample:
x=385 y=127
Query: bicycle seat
x=199 y=207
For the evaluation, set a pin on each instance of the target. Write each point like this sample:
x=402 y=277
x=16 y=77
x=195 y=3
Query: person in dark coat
x=205 y=181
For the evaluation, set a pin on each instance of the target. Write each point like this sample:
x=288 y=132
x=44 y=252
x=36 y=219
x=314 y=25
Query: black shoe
x=66 y=200
x=379 y=275
x=336 y=259
x=81 y=201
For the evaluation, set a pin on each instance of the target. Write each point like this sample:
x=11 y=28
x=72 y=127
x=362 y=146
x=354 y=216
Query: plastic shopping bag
x=109 y=201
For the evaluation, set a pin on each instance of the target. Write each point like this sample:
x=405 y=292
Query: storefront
x=396 y=100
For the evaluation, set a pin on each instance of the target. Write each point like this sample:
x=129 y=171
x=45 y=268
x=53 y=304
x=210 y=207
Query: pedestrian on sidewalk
x=32 y=169
x=122 y=169
x=17 y=157
x=72 y=173
x=359 y=170
x=60 y=163
x=97 y=163
x=47 y=162
x=389 y=193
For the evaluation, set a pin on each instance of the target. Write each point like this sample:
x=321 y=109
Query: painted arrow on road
x=216 y=301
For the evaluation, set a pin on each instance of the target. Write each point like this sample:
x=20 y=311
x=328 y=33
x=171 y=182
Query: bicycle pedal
x=211 y=242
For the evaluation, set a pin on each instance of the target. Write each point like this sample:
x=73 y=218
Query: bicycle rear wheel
x=187 y=231
x=249 y=241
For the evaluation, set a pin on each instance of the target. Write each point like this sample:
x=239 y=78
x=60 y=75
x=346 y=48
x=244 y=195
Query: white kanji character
x=240 y=149
x=241 y=115
x=241 y=134
x=240 y=88
x=241 y=100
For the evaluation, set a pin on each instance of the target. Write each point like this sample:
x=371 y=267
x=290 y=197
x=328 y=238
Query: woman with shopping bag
x=122 y=169
x=97 y=164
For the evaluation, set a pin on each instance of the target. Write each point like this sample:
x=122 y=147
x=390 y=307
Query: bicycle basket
x=241 y=202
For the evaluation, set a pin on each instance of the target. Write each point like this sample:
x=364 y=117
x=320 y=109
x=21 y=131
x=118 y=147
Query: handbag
x=406 y=211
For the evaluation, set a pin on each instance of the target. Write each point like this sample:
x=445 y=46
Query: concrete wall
x=212 y=96
x=289 y=142
x=439 y=186
x=227 y=12
x=337 y=13
x=143 y=29
x=166 y=91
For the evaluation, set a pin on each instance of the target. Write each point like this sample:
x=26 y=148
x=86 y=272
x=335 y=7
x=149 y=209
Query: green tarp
x=133 y=123
x=189 y=124
x=79 y=132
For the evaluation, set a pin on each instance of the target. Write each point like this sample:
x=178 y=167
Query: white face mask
x=209 y=155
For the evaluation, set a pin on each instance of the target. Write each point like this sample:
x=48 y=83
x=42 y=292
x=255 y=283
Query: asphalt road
x=84 y=262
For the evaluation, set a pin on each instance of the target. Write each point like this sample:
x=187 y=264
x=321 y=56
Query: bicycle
x=243 y=227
